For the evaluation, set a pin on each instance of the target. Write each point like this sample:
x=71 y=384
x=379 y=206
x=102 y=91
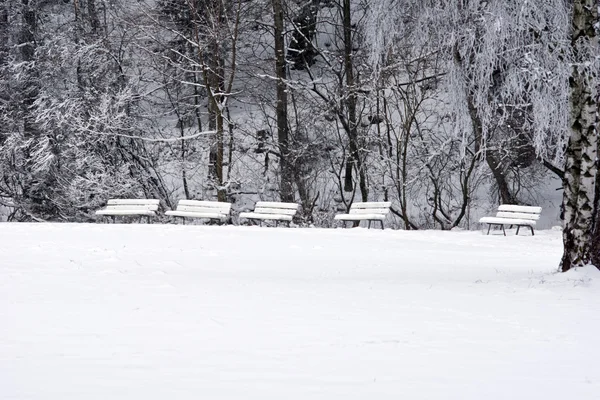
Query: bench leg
x=369 y=226
x=276 y=223
x=381 y=222
x=518 y=227
x=500 y=225
x=532 y=234
x=113 y=218
x=149 y=220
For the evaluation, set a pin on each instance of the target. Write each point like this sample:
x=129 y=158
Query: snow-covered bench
x=369 y=211
x=213 y=210
x=273 y=211
x=509 y=214
x=124 y=207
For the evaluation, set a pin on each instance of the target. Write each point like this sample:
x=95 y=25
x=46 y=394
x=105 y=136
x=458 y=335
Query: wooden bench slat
x=372 y=204
x=520 y=209
x=275 y=204
x=505 y=214
x=369 y=211
x=196 y=214
x=132 y=207
x=202 y=209
x=284 y=211
x=507 y=221
x=360 y=217
x=219 y=205
x=125 y=212
x=266 y=216
x=133 y=202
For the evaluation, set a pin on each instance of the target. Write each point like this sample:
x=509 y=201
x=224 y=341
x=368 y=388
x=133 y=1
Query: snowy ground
x=191 y=312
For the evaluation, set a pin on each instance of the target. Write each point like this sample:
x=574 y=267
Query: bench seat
x=126 y=212
x=253 y=215
x=359 y=217
x=213 y=210
x=195 y=214
x=507 y=221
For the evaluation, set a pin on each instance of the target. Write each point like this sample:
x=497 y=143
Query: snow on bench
x=213 y=210
x=369 y=211
x=271 y=210
x=123 y=207
x=509 y=214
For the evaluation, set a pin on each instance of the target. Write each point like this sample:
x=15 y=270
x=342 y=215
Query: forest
x=447 y=108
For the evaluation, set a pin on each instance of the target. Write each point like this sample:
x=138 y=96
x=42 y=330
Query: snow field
x=102 y=311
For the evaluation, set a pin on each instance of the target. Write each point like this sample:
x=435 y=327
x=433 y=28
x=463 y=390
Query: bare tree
x=286 y=186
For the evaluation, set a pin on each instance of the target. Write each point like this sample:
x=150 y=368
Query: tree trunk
x=221 y=192
x=286 y=187
x=215 y=86
x=27 y=45
x=354 y=159
x=581 y=165
x=4 y=34
x=93 y=16
x=506 y=197
x=213 y=70
x=596 y=231
x=301 y=52
x=4 y=59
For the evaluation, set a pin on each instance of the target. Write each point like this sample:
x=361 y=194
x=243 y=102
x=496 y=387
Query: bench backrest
x=133 y=204
x=203 y=206
x=373 y=207
x=273 y=207
x=519 y=212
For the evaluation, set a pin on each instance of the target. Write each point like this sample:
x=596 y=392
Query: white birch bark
x=581 y=155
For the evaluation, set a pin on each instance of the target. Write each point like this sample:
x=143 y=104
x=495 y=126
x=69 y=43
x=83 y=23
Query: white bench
x=369 y=211
x=273 y=211
x=509 y=214
x=123 y=207
x=213 y=210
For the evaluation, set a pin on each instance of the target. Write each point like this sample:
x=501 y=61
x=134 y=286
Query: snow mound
x=588 y=276
x=585 y=275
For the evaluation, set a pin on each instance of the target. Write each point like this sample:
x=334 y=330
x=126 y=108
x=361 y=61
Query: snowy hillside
x=192 y=312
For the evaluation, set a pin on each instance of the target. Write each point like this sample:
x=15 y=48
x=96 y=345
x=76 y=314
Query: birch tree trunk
x=581 y=154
